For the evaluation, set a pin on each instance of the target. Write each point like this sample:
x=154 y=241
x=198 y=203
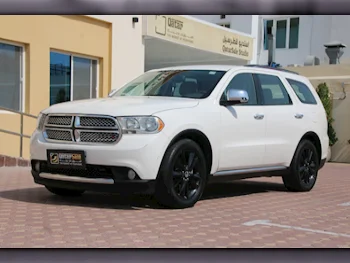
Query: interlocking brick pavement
x=30 y=216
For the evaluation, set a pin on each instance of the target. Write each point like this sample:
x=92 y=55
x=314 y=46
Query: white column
x=255 y=35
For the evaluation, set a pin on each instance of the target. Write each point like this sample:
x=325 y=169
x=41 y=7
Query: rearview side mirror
x=235 y=96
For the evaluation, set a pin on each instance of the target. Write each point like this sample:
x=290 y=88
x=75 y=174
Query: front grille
x=60 y=120
x=98 y=137
x=82 y=129
x=100 y=122
x=59 y=135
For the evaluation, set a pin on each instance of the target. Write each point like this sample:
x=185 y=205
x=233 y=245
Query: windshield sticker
x=212 y=72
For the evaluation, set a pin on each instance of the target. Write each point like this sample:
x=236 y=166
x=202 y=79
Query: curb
x=8 y=161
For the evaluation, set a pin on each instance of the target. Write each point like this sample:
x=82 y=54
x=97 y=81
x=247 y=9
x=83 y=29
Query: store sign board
x=189 y=32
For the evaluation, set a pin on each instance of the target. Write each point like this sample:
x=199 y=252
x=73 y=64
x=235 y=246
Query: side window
x=274 y=92
x=243 y=81
x=302 y=91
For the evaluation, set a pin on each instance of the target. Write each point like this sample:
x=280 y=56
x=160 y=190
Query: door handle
x=259 y=116
x=299 y=115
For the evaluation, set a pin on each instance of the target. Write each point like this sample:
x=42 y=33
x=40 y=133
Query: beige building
x=51 y=59
x=43 y=55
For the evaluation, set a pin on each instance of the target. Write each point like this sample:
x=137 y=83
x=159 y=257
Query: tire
x=179 y=186
x=65 y=192
x=303 y=169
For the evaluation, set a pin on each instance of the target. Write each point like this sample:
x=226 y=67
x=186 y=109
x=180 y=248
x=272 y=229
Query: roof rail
x=269 y=67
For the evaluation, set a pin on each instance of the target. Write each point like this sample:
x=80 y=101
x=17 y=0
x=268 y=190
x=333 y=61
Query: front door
x=242 y=128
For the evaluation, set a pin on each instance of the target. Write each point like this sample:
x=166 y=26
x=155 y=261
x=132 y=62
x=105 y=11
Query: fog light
x=131 y=175
x=37 y=166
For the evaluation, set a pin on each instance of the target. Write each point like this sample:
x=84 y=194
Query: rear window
x=302 y=91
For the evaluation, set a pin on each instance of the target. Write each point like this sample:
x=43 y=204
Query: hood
x=122 y=106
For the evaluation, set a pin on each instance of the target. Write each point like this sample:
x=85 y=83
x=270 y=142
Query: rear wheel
x=182 y=175
x=304 y=168
x=65 y=192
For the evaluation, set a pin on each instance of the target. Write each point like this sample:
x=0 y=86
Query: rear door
x=282 y=126
x=308 y=109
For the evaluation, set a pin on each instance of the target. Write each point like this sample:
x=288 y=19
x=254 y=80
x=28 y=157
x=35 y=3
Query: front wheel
x=65 y=192
x=304 y=168
x=182 y=176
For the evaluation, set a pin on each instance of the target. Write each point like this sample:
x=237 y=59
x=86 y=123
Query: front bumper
x=142 y=153
x=123 y=186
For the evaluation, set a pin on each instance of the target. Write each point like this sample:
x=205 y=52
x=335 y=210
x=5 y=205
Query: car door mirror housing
x=235 y=96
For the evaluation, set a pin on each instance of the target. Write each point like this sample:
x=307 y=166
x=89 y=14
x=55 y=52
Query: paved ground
x=231 y=214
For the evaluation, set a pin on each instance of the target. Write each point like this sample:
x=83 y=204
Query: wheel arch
x=201 y=139
x=315 y=139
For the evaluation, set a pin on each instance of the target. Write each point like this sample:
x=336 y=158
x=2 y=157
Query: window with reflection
x=281 y=33
x=302 y=91
x=11 y=76
x=268 y=24
x=196 y=84
x=282 y=28
x=294 y=32
x=274 y=92
x=72 y=78
x=243 y=81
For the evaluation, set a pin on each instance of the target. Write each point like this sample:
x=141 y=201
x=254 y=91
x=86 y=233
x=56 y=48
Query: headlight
x=40 y=121
x=136 y=124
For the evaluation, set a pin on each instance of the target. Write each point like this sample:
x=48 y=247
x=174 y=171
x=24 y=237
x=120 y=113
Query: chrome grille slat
x=98 y=137
x=59 y=120
x=99 y=122
x=59 y=135
x=85 y=129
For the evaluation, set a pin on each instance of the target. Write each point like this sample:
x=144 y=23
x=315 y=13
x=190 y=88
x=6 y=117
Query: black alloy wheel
x=307 y=166
x=303 y=169
x=182 y=176
x=186 y=175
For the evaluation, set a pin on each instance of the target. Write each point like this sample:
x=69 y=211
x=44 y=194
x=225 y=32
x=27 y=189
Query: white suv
x=172 y=130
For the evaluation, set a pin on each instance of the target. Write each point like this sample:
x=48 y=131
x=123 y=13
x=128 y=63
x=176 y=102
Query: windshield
x=173 y=83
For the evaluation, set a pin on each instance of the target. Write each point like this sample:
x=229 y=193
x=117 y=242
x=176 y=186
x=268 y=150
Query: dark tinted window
x=243 y=81
x=294 y=32
x=268 y=24
x=274 y=92
x=281 y=33
x=72 y=81
x=302 y=91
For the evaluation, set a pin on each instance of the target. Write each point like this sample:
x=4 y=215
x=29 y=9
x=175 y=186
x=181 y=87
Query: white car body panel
x=122 y=106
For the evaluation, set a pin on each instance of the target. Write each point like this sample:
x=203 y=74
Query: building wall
x=288 y=56
x=339 y=32
x=321 y=34
x=128 y=50
x=242 y=23
x=77 y=35
x=314 y=32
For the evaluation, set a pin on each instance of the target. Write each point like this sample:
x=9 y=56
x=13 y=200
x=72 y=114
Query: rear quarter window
x=302 y=91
